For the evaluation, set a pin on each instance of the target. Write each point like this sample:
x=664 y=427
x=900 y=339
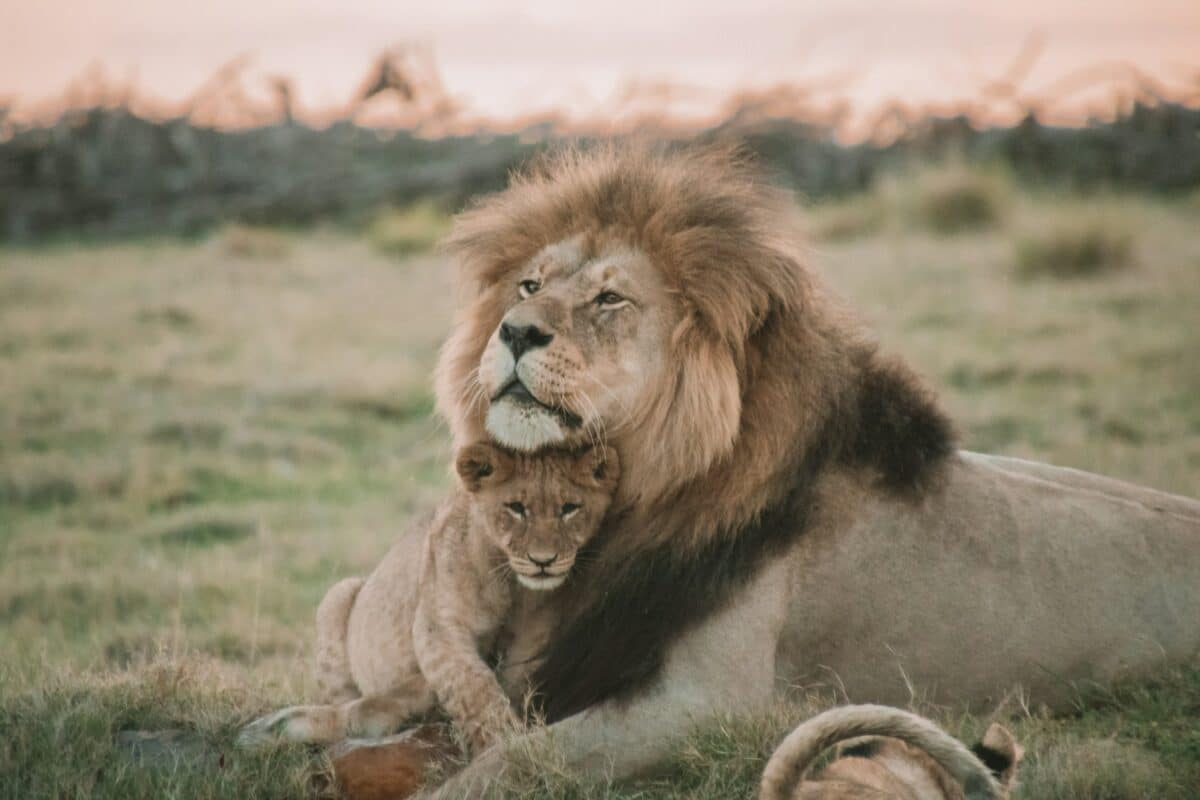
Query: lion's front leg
x=727 y=665
x=614 y=740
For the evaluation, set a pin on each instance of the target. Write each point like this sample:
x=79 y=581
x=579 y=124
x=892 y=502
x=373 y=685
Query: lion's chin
x=524 y=426
x=541 y=583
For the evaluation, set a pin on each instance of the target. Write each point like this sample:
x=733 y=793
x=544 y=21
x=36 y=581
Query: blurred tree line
x=107 y=170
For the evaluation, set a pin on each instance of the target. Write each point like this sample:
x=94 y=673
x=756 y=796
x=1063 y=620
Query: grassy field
x=198 y=438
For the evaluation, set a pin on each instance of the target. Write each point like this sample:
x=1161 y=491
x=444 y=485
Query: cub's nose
x=520 y=338
x=543 y=558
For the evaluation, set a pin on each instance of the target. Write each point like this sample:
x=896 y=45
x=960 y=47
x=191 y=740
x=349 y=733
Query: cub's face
x=538 y=509
x=581 y=345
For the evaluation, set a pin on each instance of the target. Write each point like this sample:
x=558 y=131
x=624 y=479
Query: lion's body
x=793 y=506
x=1013 y=573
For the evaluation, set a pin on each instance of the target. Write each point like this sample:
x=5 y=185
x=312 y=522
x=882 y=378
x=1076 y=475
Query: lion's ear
x=1000 y=753
x=482 y=464
x=599 y=467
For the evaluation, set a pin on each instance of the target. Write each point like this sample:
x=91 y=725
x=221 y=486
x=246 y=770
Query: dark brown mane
x=774 y=385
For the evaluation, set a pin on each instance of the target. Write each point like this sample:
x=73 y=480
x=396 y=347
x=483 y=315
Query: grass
x=196 y=440
x=1076 y=246
x=253 y=242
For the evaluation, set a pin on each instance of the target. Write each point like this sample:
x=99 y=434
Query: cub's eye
x=608 y=299
x=569 y=509
x=516 y=509
x=527 y=288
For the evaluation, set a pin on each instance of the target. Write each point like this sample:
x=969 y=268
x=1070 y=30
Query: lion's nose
x=521 y=338
x=543 y=559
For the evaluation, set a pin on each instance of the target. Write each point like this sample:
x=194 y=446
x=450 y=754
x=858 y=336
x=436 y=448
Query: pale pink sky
x=508 y=57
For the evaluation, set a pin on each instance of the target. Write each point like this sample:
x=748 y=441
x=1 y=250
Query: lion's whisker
x=625 y=412
x=594 y=425
x=596 y=422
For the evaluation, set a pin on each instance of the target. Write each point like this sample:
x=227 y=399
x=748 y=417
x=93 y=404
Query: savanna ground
x=198 y=437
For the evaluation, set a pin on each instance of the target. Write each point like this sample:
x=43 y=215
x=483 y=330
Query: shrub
x=415 y=229
x=956 y=199
x=1074 y=247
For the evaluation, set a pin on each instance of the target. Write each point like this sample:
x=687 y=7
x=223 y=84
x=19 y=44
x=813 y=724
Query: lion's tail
x=802 y=746
x=334 y=679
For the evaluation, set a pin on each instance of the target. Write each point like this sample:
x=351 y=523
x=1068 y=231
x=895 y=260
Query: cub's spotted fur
x=491 y=559
x=528 y=515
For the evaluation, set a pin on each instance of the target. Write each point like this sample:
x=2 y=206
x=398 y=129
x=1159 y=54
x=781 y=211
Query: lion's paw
x=292 y=724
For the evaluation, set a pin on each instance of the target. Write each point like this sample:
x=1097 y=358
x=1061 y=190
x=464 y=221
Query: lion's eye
x=569 y=509
x=516 y=509
x=608 y=299
x=529 y=287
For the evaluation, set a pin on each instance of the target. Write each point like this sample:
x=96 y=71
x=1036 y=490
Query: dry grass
x=250 y=242
x=1076 y=245
x=191 y=451
x=847 y=219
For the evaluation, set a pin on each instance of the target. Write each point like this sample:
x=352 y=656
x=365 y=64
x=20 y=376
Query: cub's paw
x=482 y=733
x=314 y=724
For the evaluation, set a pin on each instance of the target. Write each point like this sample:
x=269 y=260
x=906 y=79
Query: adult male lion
x=792 y=506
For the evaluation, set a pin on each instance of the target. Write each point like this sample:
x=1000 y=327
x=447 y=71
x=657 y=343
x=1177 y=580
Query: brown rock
x=392 y=767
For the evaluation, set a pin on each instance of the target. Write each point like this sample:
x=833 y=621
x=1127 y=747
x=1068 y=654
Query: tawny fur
x=465 y=596
x=467 y=588
x=908 y=758
x=334 y=681
x=709 y=444
x=727 y=383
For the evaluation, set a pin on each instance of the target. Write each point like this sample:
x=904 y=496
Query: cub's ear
x=482 y=464
x=599 y=467
x=1000 y=753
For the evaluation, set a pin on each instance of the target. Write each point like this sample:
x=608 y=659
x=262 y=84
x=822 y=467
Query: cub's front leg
x=466 y=687
x=366 y=717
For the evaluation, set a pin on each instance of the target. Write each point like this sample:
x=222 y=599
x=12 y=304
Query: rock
x=392 y=767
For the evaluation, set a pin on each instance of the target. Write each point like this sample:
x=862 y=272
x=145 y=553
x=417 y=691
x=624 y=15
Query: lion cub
x=907 y=757
x=490 y=557
x=526 y=518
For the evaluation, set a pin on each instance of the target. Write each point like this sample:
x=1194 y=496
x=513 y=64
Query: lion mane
x=772 y=384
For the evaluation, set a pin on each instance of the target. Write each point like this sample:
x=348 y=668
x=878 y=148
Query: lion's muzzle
x=521 y=338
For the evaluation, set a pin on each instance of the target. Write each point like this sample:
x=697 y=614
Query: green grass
x=197 y=439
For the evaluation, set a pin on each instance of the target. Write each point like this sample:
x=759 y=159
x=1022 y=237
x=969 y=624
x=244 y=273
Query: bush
x=415 y=229
x=1075 y=247
x=956 y=199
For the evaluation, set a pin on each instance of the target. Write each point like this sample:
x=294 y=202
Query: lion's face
x=538 y=510
x=582 y=341
x=630 y=296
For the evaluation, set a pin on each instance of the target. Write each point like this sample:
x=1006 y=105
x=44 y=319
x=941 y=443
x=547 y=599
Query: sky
x=506 y=58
